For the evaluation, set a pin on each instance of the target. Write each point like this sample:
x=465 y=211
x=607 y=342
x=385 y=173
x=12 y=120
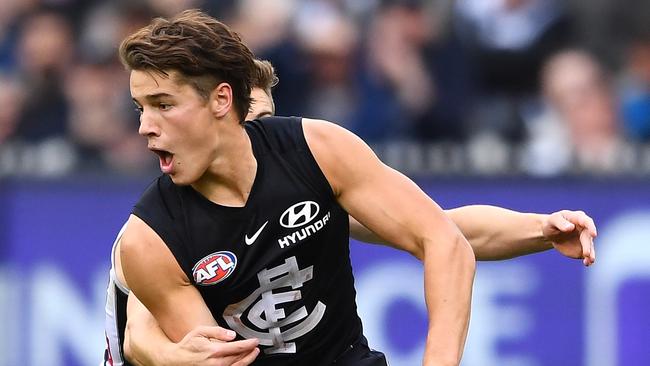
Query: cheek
x=189 y=124
x=196 y=136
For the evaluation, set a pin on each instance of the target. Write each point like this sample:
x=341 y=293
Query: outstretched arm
x=391 y=205
x=497 y=233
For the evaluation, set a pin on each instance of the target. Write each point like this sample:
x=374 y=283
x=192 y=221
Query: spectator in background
x=508 y=40
x=581 y=131
x=99 y=124
x=266 y=27
x=635 y=90
x=44 y=51
x=10 y=13
x=11 y=100
x=629 y=26
x=104 y=24
x=328 y=39
x=102 y=121
x=397 y=84
x=415 y=82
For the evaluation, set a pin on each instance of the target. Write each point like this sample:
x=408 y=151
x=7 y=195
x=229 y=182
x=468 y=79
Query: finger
x=582 y=219
x=591 y=226
x=588 y=261
x=585 y=243
x=237 y=347
x=214 y=332
x=248 y=359
x=241 y=358
x=587 y=222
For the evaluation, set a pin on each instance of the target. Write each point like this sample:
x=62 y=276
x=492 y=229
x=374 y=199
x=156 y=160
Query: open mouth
x=166 y=159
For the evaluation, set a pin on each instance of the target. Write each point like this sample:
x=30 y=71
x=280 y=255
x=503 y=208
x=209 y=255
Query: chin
x=179 y=180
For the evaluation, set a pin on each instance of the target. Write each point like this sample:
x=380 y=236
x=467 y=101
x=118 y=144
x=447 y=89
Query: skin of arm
x=141 y=325
x=391 y=205
x=497 y=233
x=146 y=344
x=172 y=300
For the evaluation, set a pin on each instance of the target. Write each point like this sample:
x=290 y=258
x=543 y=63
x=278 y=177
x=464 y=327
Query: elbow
x=456 y=250
x=462 y=252
x=468 y=255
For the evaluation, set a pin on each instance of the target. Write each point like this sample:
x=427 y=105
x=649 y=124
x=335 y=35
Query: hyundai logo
x=299 y=214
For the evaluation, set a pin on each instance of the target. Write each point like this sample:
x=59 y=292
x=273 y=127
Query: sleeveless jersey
x=278 y=268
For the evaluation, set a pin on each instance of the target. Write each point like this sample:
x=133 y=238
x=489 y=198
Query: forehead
x=144 y=83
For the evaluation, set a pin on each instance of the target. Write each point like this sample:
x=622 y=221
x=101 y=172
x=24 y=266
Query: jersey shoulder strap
x=161 y=207
x=284 y=138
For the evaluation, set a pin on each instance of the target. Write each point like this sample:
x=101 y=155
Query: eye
x=164 y=106
x=138 y=109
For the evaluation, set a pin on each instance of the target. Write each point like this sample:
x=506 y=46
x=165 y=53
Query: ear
x=221 y=100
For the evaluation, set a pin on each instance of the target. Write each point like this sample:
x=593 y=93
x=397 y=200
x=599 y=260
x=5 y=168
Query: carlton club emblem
x=299 y=214
x=275 y=328
x=214 y=268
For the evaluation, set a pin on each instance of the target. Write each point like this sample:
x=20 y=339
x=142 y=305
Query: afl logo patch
x=299 y=214
x=214 y=268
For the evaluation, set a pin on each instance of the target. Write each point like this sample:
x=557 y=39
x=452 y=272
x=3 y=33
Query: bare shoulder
x=138 y=237
x=341 y=154
x=142 y=251
x=321 y=133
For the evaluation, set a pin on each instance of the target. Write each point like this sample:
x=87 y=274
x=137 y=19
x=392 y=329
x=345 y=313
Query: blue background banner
x=537 y=310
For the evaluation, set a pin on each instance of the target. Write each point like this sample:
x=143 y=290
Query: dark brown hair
x=264 y=76
x=203 y=50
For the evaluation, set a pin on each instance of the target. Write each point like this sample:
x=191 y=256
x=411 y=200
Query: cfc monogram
x=264 y=315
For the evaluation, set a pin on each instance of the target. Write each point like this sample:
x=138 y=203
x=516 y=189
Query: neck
x=230 y=177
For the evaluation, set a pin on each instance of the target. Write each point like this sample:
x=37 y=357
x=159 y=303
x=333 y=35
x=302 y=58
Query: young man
x=248 y=226
x=494 y=233
x=264 y=79
x=288 y=265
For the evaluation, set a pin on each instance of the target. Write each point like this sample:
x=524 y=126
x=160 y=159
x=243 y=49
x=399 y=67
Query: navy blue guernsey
x=276 y=269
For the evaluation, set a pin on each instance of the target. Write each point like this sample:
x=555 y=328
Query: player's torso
x=278 y=268
x=284 y=228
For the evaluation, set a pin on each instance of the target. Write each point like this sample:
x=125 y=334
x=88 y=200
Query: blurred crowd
x=539 y=87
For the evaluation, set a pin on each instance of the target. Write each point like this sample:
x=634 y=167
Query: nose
x=148 y=126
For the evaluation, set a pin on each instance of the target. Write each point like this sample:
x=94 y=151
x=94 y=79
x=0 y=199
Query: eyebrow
x=154 y=97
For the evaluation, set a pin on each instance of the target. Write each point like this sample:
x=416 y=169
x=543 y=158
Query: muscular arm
x=156 y=279
x=497 y=233
x=391 y=205
x=146 y=344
